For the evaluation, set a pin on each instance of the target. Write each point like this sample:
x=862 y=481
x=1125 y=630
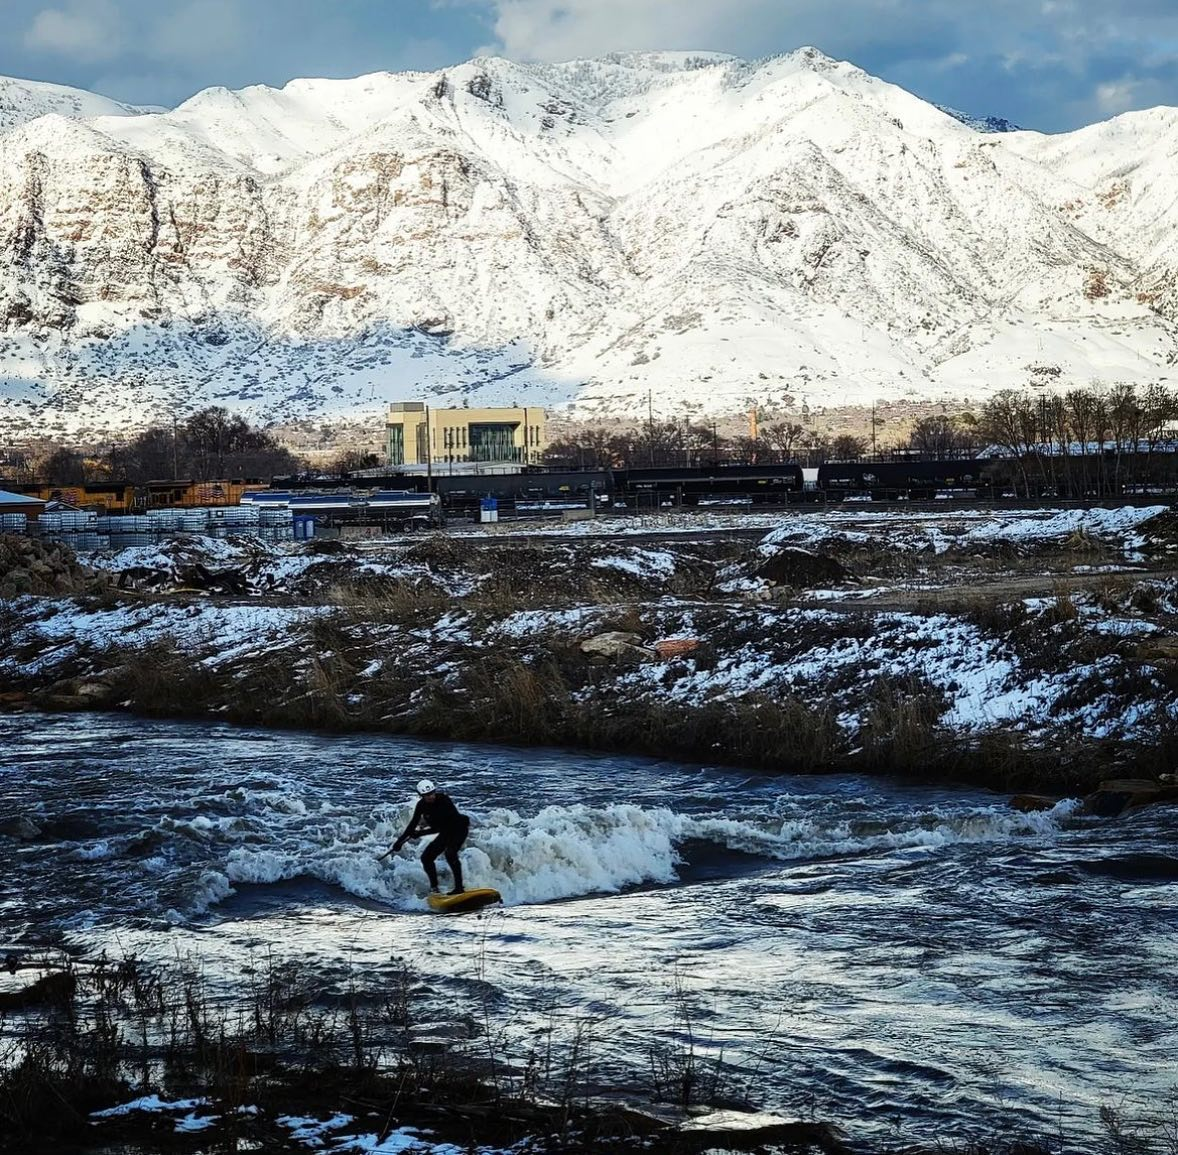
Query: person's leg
x=428 y=855
x=455 y=865
x=452 y=860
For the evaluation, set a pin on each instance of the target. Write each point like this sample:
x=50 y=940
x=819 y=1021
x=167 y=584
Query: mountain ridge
x=685 y=230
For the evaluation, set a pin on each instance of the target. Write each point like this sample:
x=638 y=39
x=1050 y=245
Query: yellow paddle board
x=467 y=900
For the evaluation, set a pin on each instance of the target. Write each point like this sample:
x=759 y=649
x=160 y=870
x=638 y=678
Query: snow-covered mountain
x=25 y=100
x=693 y=227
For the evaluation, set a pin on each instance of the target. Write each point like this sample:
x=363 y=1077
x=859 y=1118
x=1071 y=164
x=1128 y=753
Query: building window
x=396 y=444
x=493 y=441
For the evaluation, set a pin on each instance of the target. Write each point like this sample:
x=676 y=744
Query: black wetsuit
x=441 y=817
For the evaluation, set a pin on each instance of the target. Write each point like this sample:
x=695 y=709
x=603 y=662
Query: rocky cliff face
x=698 y=227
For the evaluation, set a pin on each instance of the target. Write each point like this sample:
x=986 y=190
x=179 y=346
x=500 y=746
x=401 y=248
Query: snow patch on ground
x=937 y=534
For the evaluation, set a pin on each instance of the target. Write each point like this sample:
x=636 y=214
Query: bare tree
x=63 y=466
x=783 y=436
x=940 y=436
x=848 y=448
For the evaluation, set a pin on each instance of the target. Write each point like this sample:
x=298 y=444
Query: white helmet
x=425 y=786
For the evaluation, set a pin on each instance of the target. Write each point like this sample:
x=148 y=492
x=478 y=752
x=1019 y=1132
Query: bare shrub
x=682 y=1071
x=162 y=678
x=1063 y=607
x=997 y=615
x=900 y=728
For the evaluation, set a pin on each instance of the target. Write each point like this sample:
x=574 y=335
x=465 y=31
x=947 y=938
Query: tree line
x=1091 y=440
x=678 y=443
x=1087 y=441
x=210 y=444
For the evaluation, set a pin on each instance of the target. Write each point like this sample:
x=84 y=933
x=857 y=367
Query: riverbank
x=149 y=1058
x=1021 y=651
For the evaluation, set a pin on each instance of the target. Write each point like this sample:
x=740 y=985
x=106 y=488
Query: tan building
x=457 y=436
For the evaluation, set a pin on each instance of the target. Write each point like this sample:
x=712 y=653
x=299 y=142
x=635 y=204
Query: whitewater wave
x=564 y=852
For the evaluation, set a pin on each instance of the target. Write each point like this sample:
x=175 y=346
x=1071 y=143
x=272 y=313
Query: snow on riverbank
x=441 y=612
x=56 y=632
x=962 y=531
x=341 y=1131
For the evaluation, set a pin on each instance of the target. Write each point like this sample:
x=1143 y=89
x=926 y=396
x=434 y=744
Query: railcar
x=917 y=480
x=104 y=498
x=198 y=494
x=696 y=485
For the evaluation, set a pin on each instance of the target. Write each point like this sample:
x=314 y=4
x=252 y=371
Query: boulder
x=55 y=989
x=22 y=828
x=675 y=647
x=754 y=1131
x=1028 y=803
x=78 y=694
x=1115 y=797
x=1157 y=651
x=615 y=644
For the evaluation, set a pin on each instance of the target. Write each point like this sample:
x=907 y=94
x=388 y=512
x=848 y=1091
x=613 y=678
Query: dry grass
x=385 y=602
x=900 y=729
x=162 y=679
x=1063 y=607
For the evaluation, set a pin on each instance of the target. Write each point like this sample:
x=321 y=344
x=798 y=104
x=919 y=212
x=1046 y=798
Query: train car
x=915 y=480
x=528 y=492
x=323 y=504
x=267 y=498
x=339 y=505
x=702 y=485
x=103 y=497
x=406 y=503
x=178 y=493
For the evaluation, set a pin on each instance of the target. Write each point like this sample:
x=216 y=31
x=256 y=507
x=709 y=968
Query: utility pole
x=873 y=450
x=429 y=456
x=175 y=450
x=650 y=427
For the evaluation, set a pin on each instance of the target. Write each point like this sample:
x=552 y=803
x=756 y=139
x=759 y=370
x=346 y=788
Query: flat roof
x=7 y=498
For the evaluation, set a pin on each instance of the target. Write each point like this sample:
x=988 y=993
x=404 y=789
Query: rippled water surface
x=900 y=959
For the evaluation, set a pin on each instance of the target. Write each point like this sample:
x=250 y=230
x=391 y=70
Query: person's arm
x=406 y=835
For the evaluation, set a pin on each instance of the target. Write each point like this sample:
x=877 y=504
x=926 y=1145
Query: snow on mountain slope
x=695 y=228
x=25 y=100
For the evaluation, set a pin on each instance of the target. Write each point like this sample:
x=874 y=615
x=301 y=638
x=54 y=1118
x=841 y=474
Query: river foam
x=564 y=852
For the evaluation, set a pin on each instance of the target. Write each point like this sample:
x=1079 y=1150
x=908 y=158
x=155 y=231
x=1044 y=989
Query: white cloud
x=953 y=60
x=82 y=30
x=1117 y=96
x=566 y=29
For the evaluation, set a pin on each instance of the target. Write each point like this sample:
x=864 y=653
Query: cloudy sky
x=1047 y=64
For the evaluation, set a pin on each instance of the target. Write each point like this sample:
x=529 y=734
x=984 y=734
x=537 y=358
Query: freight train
x=537 y=490
x=393 y=497
x=121 y=497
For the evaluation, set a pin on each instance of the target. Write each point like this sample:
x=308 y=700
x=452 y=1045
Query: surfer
x=436 y=813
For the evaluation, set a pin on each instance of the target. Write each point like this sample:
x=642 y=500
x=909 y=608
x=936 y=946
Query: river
x=910 y=962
